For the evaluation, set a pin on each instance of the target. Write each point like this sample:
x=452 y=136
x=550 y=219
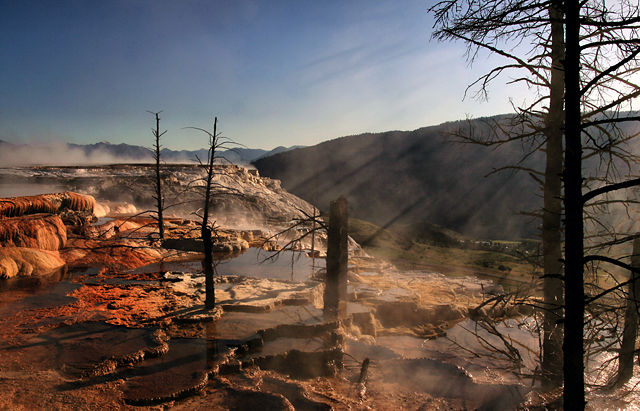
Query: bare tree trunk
x=630 y=333
x=210 y=298
x=159 y=198
x=552 y=213
x=573 y=349
x=210 y=292
x=313 y=241
x=337 y=259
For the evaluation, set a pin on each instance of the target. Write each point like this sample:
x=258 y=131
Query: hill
x=413 y=179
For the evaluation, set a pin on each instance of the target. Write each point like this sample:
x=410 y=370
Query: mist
x=67 y=154
x=58 y=153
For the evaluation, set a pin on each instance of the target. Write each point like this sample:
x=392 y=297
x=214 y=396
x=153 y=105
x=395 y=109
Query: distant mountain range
x=410 y=179
x=12 y=154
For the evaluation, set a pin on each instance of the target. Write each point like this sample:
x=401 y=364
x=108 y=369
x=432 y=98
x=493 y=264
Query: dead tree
x=337 y=251
x=552 y=285
x=600 y=59
x=573 y=348
x=207 y=225
x=337 y=259
x=489 y=25
x=628 y=345
x=613 y=37
x=158 y=180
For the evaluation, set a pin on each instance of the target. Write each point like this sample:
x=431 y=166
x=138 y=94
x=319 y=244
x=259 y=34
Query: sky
x=277 y=72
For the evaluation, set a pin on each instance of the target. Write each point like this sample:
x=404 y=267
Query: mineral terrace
x=97 y=312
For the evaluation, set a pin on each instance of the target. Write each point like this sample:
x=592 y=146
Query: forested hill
x=404 y=178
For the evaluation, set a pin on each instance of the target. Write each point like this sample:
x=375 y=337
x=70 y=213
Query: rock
x=365 y=322
x=229 y=245
x=303 y=365
x=235 y=398
x=92 y=349
x=112 y=228
x=182 y=372
x=247 y=294
x=122 y=253
x=16 y=261
x=101 y=210
x=220 y=245
x=77 y=220
x=42 y=231
x=408 y=313
x=241 y=198
x=46 y=203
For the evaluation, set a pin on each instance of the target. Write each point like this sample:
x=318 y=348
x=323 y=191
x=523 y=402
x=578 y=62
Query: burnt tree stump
x=335 y=291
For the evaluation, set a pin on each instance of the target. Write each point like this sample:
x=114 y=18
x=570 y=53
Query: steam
x=61 y=154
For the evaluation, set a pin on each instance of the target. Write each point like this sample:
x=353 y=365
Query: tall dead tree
x=630 y=333
x=210 y=299
x=602 y=45
x=217 y=143
x=601 y=52
x=158 y=180
x=573 y=346
x=491 y=26
x=335 y=291
x=553 y=298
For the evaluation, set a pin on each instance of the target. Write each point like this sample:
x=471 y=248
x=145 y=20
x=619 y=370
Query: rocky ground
x=101 y=314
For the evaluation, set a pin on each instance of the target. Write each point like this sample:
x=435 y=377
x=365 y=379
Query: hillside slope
x=410 y=177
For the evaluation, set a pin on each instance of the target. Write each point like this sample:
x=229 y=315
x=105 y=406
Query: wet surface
x=442 y=379
x=469 y=345
x=33 y=293
x=255 y=262
x=55 y=296
x=402 y=363
x=280 y=345
x=289 y=339
x=242 y=325
x=93 y=349
x=181 y=372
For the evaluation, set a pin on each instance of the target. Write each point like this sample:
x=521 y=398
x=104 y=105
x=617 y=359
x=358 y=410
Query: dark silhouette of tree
x=601 y=49
x=217 y=143
x=552 y=208
x=573 y=347
x=210 y=300
x=599 y=58
x=205 y=228
x=630 y=331
x=158 y=178
x=489 y=25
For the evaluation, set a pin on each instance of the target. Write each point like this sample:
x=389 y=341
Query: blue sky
x=275 y=72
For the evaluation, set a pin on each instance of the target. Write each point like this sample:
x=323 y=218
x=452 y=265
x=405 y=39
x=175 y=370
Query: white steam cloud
x=60 y=154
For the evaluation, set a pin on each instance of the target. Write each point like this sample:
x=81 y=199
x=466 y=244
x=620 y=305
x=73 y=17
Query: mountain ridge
x=397 y=178
x=17 y=154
